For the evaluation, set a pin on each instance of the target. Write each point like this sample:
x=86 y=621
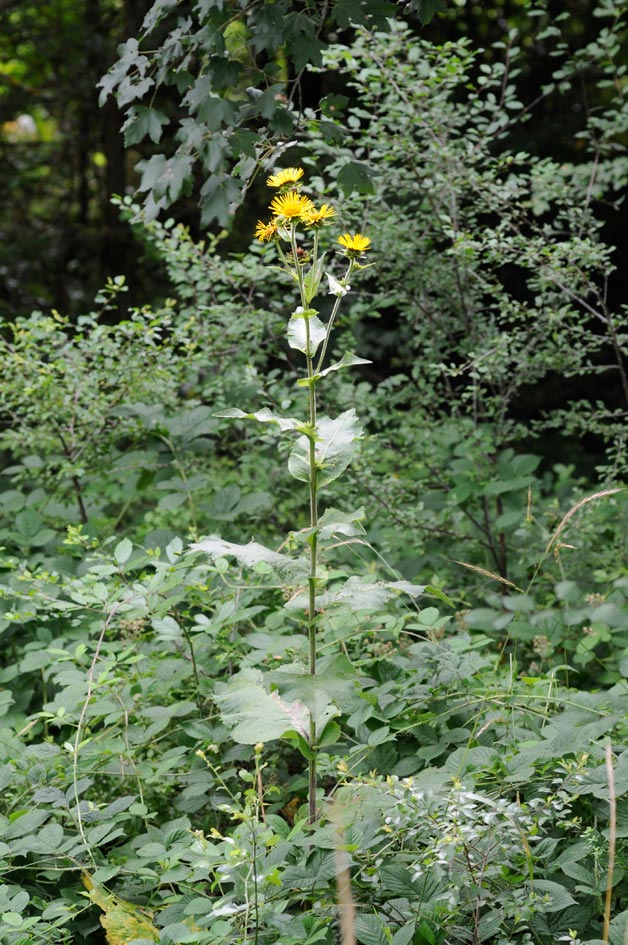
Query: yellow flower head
x=354 y=245
x=265 y=231
x=317 y=217
x=289 y=175
x=291 y=206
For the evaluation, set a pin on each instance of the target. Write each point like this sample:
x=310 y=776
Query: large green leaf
x=285 y=568
x=334 y=682
x=253 y=714
x=348 y=360
x=334 y=522
x=357 y=595
x=552 y=896
x=262 y=416
x=142 y=122
x=220 y=193
x=166 y=176
x=618 y=926
x=297 y=330
x=355 y=176
x=426 y=9
x=335 y=448
x=156 y=13
x=190 y=424
x=313 y=278
x=369 y=930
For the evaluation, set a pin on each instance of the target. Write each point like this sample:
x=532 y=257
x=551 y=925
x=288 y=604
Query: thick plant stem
x=312 y=625
x=311 y=619
x=313 y=541
x=312 y=598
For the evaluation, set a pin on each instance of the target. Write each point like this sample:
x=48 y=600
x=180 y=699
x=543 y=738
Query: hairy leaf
x=255 y=715
x=297 y=332
x=286 y=569
x=263 y=416
x=335 y=448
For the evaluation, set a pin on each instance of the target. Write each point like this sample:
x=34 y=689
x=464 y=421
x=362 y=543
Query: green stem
x=198 y=698
x=311 y=628
x=332 y=317
x=313 y=541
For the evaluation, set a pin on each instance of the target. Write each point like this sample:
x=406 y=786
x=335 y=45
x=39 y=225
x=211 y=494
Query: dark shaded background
x=63 y=156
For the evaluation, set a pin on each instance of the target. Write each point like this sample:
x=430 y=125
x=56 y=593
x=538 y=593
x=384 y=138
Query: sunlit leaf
x=298 y=327
x=253 y=553
x=263 y=416
x=335 y=448
x=253 y=714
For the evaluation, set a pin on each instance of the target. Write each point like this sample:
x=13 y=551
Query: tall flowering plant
x=294 y=214
x=255 y=706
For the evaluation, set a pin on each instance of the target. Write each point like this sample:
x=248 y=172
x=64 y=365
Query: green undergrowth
x=467 y=794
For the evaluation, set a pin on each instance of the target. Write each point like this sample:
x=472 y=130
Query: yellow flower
x=289 y=175
x=291 y=205
x=315 y=217
x=265 y=231
x=354 y=245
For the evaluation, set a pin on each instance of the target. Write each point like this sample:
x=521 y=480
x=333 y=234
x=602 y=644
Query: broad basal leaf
x=255 y=715
x=334 y=683
x=335 y=447
x=357 y=595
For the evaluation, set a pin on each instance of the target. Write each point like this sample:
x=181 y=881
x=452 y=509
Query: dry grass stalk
x=490 y=574
x=346 y=904
x=612 y=837
x=572 y=511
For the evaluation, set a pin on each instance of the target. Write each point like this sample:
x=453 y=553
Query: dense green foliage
x=165 y=574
